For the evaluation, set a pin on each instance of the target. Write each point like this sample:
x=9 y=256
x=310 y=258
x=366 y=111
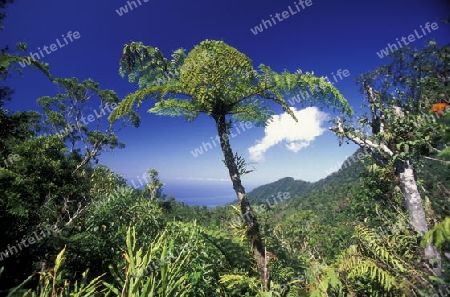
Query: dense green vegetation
x=75 y=228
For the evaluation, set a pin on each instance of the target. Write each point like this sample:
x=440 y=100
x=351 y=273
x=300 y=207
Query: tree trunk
x=414 y=206
x=408 y=185
x=249 y=216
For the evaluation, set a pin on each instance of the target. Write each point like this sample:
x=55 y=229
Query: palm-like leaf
x=216 y=79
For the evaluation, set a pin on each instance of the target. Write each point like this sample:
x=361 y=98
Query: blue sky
x=323 y=37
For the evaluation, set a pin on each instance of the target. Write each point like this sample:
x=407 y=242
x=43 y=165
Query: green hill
x=330 y=189
x=287 y=184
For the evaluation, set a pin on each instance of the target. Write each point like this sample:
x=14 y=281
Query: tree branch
x=434 y=159
x=366 y=143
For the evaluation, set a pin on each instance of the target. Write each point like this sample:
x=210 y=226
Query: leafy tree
x=154 y=187
x=38 y=191
x=399 y=128
x=218 y=80
x=68 y=116
x=95 y=240
x=104 y=181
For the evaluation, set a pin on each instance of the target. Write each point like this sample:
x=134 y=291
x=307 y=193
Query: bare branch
x=434 y=159
x=363 y=143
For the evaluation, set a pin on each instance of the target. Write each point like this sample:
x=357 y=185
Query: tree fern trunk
x=250 y=219
x=414 y=206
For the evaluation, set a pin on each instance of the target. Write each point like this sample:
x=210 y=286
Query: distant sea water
x=209 y=195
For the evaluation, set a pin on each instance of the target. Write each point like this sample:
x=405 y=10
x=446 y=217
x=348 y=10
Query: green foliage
x=382 y=265
x=8 y=60
x=154 y=187
x=38 y=191
x=142 y=278
x=404 y=92
x=218 y=80
x=287 y=184
x=318 y=224
x=444 y=137
x=445 y=153
x=328 y=281
x=214 y=253
x=42 y=177
x=239 y=283
x=377 y=199
x=433 y=178
x=102 y=228
x=51 y=283
x=104 y=181
x=400 y=129
x=16 y=128
x=66 y=116
x=318 y=216
x=439 y=235
x=214 y=71
x=148 y=64
x=241 y=164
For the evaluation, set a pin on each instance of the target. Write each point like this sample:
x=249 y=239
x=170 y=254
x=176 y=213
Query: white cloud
x=295 y=135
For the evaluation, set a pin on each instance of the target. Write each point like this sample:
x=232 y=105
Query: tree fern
x=217 y=80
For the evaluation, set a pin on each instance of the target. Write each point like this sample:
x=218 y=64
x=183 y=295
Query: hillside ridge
x=349 y=171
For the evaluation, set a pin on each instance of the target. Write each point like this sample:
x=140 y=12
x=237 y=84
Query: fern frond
x=176 y=107
x=8 y=60
x=126 y=105
x=254 y=110
x=439 y=235
x=369 y=239
x=358 y=266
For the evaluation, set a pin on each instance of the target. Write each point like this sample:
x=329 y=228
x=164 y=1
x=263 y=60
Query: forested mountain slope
x=332 y=188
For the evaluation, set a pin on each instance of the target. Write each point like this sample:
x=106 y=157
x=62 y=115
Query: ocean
x=196 y=194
